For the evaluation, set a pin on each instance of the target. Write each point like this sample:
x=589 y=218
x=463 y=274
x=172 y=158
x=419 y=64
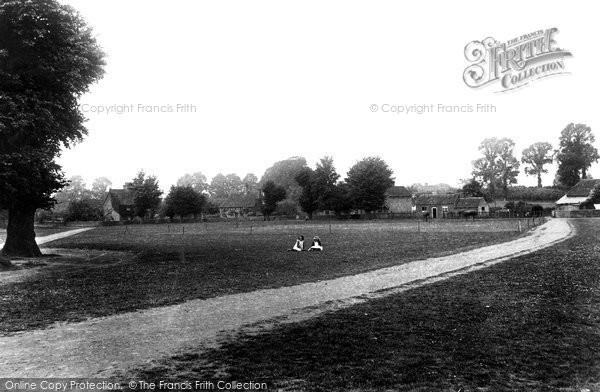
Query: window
x=423 y=209
x=444 y=209
x=483 y=209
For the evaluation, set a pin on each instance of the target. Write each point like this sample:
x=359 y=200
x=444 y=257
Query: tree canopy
x=196 y=180
x=183 y=201
x=146 y=194
x=498 y=166
x=575 y=154
x=368 y=180
x=271 y=195
x=536 y=157
x=48 y=59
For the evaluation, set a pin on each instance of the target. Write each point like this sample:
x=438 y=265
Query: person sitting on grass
x=299 y=245
x=316 y=245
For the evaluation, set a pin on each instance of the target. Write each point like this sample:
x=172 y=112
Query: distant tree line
x=291 y=187
x=496 y=171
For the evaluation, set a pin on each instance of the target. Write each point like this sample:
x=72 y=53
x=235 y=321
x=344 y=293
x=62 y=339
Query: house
x=576 y=198
x=119 y=204
x=238 y=205
x=451 y=204
x=438 y=206
x=398 y=199
x=472 y=205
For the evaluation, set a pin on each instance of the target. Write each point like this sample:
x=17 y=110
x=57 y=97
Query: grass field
x=529 y=324
x=125 y=269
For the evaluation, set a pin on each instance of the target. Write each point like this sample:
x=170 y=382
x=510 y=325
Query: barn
x=398 y=199
x=576 y=198
x=119 y=204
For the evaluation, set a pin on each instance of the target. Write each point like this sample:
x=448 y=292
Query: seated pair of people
x=299 y=245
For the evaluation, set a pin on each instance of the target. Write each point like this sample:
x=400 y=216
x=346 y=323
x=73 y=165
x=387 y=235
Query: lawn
x=529 y=324
x=128 y=268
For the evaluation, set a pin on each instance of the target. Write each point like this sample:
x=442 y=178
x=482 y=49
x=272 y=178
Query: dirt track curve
x=100 y=346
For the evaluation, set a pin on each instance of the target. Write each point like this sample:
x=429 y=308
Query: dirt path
x=57 y=236
x=102 y=346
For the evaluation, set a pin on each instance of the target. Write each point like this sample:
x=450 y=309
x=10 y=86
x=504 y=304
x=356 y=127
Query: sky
x=258 y=82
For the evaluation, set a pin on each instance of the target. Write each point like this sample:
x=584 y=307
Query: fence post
x=520 y=226
x=182 y=229
x=418 y=226
x=250 y=229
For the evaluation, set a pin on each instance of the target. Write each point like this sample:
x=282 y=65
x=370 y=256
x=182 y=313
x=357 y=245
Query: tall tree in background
x=309 y=198
x=368 y=180
x=48 y=59
x=271 y=195
x=284 y=173
x=183 y=201
x=326 y=178
x=250 y=182
x=100 y=186
x=196 y=180
x=498 y=167
x=472 y=188
x=222 y=187
x=575 y=154
x=146 y=194
x=536 y=157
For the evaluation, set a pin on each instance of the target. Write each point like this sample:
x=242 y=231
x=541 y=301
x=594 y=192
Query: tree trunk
x=20 y=234
x=583 y=173
x=539 y=179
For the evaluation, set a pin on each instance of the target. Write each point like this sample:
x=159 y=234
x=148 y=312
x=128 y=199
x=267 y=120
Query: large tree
x=271 y=195
x=196 y=180
x=147 y=194
x=575 y=154
x=224 y=186
x=250 y=182
x=284 y=173
x=368 y=180
x=48 y=59
x=182 y=201
x=309 y=198
x=498 y=166
x=326 y=178
x=472 y=188
x=536 y=157
x=100 y=186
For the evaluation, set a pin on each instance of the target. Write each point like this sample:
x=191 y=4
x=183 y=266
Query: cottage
x=471 y=205
x=576 y=198
x=398 y=199
x=119 y=205
x=238 y=205
x=438 y=206
x=451 y=204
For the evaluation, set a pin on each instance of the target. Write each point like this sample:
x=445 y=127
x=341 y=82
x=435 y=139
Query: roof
x=571 y=200
x=123 y=197
x=582 y=188
x=469 y=202
x=447 y=199
x=240 y=201
x=398 y=191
